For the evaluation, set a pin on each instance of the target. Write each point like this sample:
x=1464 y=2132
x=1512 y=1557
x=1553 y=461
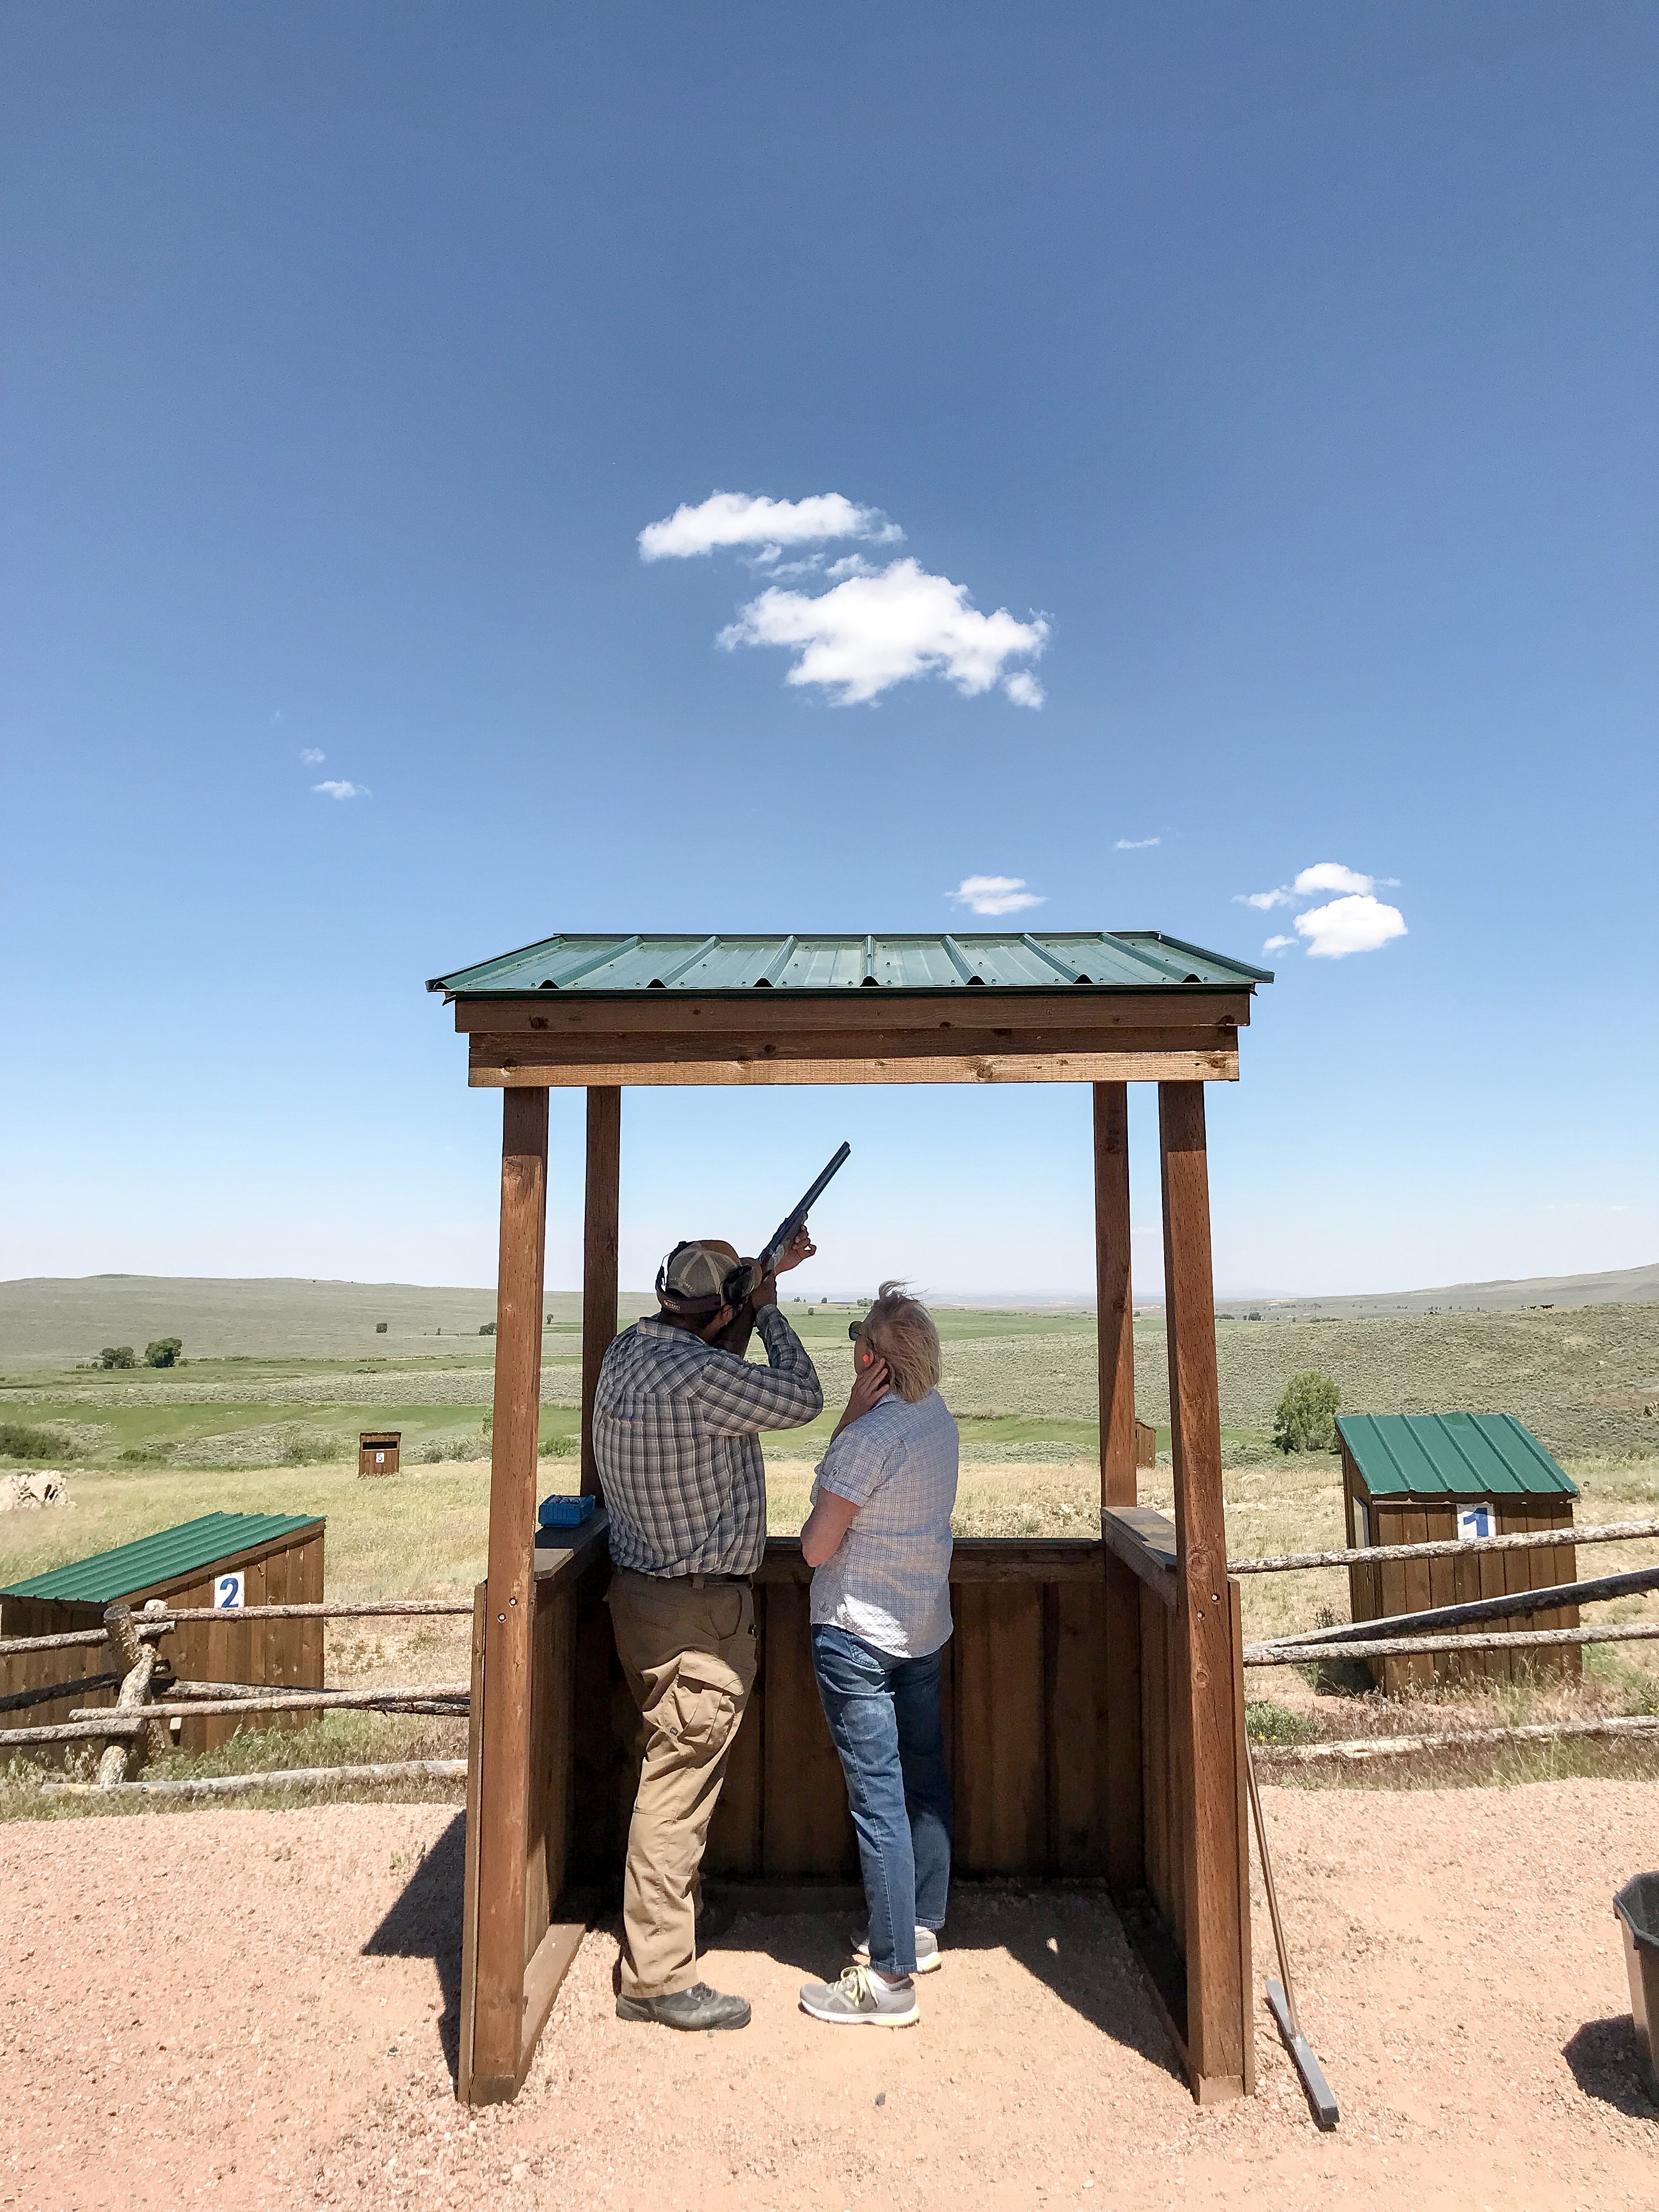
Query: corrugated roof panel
x=1451 y=1456
x=994 y=959
x=162 y=1557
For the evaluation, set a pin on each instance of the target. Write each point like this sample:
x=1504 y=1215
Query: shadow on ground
x=1606 y=2064
x=425 y=1922
x=1071 y=1941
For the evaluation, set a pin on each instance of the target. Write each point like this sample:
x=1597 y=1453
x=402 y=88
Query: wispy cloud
x=337 y=787
x=994 y=894
x=736 y=517
x=1135 y=844
x=1355 y=923
x=1332 y=876
x=311 y=756
x=875 y=626
x=873 y=632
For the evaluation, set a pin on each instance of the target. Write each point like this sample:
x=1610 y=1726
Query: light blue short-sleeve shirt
x=889 y=1583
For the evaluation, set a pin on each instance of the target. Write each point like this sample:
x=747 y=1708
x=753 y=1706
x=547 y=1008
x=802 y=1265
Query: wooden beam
x=475 y=1713
x=1114 y=1296
x=494 y=1069
x=598 y=1258
x=514 y=1048
x=509 y=1598
x=973 y=1559
x=752 y=1016
x=1217 y=2004
x=1144 y=1540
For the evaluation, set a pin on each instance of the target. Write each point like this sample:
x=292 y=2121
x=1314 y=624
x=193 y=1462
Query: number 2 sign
x=227 y=1592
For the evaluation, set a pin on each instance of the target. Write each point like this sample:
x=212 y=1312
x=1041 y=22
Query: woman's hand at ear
x=870 y=1387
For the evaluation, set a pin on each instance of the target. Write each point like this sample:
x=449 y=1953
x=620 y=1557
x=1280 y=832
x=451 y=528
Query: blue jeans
x=884 y=1715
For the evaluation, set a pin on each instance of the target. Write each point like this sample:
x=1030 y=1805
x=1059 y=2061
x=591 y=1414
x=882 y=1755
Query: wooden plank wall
x=1027 y=1701
x=1416 y=1585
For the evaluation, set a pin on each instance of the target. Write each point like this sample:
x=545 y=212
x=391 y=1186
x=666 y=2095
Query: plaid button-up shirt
x=676 y=1427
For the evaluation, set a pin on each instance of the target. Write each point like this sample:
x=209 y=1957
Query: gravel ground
x=259 y=2008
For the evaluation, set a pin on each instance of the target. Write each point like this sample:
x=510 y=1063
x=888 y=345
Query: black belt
x=697 y=1581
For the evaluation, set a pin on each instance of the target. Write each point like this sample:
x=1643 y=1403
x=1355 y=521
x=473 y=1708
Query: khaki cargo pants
x=688 y=1649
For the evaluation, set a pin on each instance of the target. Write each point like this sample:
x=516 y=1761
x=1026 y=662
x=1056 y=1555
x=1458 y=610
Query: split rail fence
x=137 y=1727
x=1447 y=1633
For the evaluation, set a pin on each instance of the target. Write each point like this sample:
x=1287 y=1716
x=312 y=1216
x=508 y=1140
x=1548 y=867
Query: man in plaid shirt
x=677 y=1423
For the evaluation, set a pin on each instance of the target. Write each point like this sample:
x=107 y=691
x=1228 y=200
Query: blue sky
x=1283 y=374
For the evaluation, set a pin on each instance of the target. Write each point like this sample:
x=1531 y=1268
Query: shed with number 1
x=1432 y=1478
x=228 y=1561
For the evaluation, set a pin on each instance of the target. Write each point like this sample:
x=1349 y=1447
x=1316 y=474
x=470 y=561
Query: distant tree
x=1306 y=1416
x=118 y=1355
x=380 y=1328
x=486 y=1328
x=164 y=1353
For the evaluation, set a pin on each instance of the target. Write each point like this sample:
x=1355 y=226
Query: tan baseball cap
x=694 y=1274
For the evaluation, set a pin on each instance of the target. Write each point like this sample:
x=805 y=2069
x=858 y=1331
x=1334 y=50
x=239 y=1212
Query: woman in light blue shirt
x=879 y=1542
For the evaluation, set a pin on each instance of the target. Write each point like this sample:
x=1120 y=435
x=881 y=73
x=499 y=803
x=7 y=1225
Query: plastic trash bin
x=1637 y=1906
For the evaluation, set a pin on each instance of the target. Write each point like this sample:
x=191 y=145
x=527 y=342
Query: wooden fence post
x=509 y=1601
x=598 y=1259
x=1219 y=1996
x=138 y=1660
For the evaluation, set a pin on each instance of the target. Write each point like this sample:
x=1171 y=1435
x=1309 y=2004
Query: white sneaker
x=929 y=1959
x=859 y=1999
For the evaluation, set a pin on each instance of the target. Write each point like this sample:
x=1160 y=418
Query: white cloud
x=336 y=787
x=1358 y=924
x=1264 y=900
x=736 y=517
x=1023 y=689
x=1278 y=944
x=311 y=756
x=871 y=632
x=994 y=894
x=1135 y=844
x=1332 y=876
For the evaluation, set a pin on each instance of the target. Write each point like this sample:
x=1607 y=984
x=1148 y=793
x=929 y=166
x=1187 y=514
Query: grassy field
x=271 y=1427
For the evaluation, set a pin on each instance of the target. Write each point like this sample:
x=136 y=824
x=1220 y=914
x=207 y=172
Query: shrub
x=1266 y=1721
x=559 y=1447
x=118 y=1355
x=18 y=1440
x=380 y=1328
x=1306 y=1416
x=164 y=1353
x=486 y=1328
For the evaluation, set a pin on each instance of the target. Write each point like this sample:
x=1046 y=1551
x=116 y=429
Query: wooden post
x=1114 y=1298
x=1126 y=1864
x=509 y=1601
x=1217 y=2004
x=138 y=1661
x=598 y=1259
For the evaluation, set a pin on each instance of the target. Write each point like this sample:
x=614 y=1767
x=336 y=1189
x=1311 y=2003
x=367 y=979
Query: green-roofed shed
x=225 y=1561
x=1434 y=1478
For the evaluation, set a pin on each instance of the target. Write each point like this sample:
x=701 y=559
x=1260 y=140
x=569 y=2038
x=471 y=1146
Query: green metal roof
x=162 y=1557
x=999 y=960
x=1452 y=1454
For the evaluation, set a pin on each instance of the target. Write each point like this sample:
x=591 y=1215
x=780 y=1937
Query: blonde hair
x=901 y=1330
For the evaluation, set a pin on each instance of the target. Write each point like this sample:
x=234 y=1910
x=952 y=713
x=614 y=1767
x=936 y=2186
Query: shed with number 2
x=227 y=1561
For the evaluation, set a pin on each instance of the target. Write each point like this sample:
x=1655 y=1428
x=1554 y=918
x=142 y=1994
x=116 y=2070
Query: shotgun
x=746 y=1276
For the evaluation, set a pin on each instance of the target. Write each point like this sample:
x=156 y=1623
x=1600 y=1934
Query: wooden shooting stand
x=1094 y=1696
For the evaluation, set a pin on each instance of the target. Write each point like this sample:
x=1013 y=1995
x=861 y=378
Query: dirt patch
x=260 y=2008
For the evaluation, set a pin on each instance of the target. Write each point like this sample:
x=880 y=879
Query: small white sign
x=227 y=1592
x=1475 y=1521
